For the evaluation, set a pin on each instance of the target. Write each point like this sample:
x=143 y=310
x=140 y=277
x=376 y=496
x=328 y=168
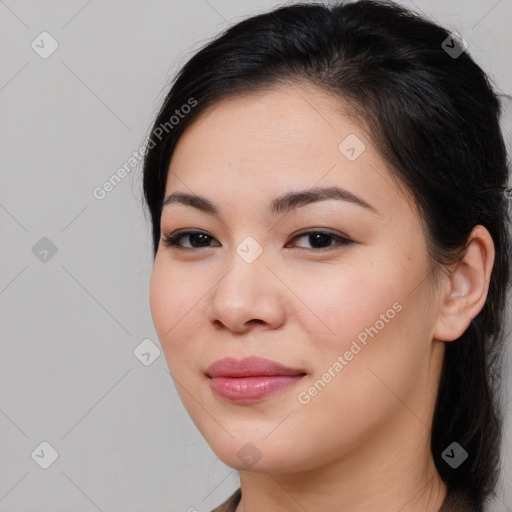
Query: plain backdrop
x=80 y=84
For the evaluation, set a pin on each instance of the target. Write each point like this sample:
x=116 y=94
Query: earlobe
x=467 y=287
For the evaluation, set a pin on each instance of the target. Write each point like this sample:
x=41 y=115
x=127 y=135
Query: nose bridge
x=244 y=281
x=248 y=290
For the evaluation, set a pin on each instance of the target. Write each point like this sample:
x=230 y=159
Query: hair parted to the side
x=435 y=120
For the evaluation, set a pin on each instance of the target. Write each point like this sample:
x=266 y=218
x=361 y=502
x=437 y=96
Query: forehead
x=271 y=122
x=275 y=140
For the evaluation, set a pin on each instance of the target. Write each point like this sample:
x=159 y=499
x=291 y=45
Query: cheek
x=177 y=304
x=160 y=300
x=362 y=326
x=344 y=305
x=378 y=350
x=169 y=300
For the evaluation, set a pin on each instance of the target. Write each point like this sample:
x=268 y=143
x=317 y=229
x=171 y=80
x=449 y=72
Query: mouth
x=251 y=379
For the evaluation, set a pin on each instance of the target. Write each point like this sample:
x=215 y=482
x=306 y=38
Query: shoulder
x=231 y=503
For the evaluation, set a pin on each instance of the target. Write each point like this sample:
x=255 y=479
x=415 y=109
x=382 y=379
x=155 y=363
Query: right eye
x=196 y=237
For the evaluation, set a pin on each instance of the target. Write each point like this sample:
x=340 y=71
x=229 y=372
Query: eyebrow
x=281 y=204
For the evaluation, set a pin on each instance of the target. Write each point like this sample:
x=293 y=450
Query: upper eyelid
x=304 y=231
x=183 y=233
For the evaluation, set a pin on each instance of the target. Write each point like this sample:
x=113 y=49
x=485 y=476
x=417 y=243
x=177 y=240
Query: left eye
x=318 y=239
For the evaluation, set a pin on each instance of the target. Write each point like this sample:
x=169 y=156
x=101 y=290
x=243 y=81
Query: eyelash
x=172 y=241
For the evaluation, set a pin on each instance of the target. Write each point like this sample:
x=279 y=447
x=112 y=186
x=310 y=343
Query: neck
x=374 y=477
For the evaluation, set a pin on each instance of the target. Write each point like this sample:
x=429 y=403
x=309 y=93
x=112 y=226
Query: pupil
x=320 y=237
x=197 y=235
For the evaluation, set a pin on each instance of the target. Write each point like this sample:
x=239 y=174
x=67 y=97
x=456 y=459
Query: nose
x=247 y=295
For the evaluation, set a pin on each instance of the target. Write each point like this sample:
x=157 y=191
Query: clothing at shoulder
x=231 y=503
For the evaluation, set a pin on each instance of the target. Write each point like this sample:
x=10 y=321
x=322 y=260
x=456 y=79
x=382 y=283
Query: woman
x=326 y=188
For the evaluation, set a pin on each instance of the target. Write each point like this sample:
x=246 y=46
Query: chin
x=258 y=455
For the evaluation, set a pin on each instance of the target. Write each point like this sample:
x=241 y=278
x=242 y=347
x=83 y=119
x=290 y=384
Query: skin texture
x=362 y=443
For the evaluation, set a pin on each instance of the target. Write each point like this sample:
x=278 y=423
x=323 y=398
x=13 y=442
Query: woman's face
x=354 y=319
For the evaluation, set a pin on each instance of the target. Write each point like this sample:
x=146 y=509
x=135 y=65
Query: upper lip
x=249 y=367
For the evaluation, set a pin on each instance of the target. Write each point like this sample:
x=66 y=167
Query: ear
x=466 y=287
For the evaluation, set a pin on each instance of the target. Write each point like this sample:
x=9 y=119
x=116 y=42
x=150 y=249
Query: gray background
x=71 y=321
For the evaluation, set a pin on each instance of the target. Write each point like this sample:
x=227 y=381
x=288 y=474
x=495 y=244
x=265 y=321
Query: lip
x=251 y=379
x=250 y=367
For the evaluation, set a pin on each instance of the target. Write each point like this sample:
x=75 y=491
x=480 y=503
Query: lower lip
x=251 y=389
